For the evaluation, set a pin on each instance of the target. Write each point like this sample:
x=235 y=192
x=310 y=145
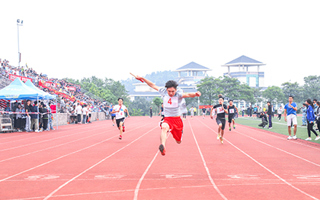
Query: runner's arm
x=152 y=85
x=191 y=95
x=127 y=111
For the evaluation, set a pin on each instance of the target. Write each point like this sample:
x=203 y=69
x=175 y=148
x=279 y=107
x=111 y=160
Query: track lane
x=255 y=160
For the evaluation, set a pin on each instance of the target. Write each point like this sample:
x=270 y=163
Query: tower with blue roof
x=239 y=69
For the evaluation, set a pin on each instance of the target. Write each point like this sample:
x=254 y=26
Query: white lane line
x=25 y=145
x=50 y=161
x=254 y=160
x=136 y=191
x=205 y=165
x=37 y=135
x=26 y=154
x=66 y=183
x=318 y=165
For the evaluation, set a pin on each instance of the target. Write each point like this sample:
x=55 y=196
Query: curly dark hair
x=171 y=83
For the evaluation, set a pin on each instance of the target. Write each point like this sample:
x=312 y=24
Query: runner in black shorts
x=221 y=110
x=232 y=110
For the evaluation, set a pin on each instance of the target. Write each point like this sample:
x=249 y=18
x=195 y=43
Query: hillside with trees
x=159 y=78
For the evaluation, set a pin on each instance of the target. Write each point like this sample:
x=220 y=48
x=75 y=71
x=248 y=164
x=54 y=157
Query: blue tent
x=17 y=90
x=32 y=86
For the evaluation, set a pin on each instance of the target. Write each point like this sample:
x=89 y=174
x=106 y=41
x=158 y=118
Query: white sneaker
x=290 y=137
x=318 y=138
x=308 y=138
x=37 y=131
x=294 y=137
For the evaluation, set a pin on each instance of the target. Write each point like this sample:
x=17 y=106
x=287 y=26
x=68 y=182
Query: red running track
x=90 y=162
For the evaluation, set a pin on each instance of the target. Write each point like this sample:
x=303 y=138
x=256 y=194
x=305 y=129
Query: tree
x=140 y=105
x=229 y=87
x=292 y=89
x=273 y=94
x=248 y=94
x=157 y=101
x=209 y=88
x=311 y=87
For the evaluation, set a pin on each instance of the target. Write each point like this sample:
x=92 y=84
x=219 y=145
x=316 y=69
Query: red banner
x=45 y=85
x=22 y=78
x=204 y=106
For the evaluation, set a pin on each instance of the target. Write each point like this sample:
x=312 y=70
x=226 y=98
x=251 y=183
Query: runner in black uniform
x=221 y=110
x=232 y=110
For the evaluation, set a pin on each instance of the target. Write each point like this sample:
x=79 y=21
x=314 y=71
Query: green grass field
x=277 y=127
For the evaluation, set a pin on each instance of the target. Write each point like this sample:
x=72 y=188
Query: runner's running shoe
x=221 y=140
x=294 y=137
x=229 y=128
x=123 y=129
x=308 y=139
x=318 y=138
x=120 y=137
x=290 y=137
x=234 y=127
x=162 y=149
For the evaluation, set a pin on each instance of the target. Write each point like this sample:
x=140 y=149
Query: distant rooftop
x=245 y=61
x=192 y=66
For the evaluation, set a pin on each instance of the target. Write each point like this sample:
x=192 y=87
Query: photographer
x=264 y=120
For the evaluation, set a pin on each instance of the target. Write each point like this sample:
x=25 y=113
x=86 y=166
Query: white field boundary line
x=11 y=158
x=136 y=191
x=27 y=136
x=150 y=189
x=255 y=119
x=205 y=165
x=272 y=135
x=50 y=161
x=267 y=169
x=318 y=165
x=115 y=191
x=66 y=183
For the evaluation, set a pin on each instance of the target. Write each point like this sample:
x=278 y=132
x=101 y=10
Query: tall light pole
x=19 y=23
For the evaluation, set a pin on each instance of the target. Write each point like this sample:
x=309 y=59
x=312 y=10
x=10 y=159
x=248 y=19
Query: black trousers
x=310 y=128
x=18 y=123
x=45 y=124
x=279 y=116
x=79 y=118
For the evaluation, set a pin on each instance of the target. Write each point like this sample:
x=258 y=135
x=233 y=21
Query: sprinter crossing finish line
x=172 y=98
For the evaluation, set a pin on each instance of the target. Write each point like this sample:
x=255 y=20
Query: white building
x=239 y=69
x=188 y=77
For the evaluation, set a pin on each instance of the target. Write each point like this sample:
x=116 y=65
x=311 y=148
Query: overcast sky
x=112 y=38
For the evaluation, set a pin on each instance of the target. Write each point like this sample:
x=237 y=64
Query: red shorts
x=176 y=127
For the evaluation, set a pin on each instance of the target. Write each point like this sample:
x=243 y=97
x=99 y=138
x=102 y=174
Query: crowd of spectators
x=70 y=99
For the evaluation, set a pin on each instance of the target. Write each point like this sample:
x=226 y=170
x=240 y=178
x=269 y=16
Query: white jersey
x=183 y=107
x=280 y=110
x=79 y=110
x=84 y=111
x=171 y=104
x=120 y=115
x=191 y=111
